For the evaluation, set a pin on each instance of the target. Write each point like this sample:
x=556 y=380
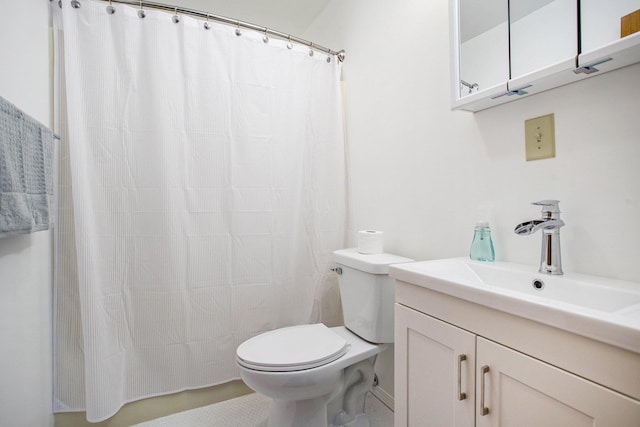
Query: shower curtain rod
x=223 y=19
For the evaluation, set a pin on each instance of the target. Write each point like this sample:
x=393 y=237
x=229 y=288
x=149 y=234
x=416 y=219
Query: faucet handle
x=550 y=208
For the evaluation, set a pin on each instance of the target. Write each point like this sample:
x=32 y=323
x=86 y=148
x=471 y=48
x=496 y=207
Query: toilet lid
x=292 y=349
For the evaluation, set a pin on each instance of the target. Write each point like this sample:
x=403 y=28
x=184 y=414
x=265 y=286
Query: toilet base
x=347 y=408
x=294 y=413
x=342 y=408
x=310 y=413
x=361 y=420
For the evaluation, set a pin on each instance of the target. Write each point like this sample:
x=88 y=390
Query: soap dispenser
x=482 y=244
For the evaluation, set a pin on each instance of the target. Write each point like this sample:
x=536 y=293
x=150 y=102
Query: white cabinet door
x=435 y=369
x=519 y=391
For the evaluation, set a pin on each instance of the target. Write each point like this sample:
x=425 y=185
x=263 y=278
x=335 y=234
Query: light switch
x=540 y=138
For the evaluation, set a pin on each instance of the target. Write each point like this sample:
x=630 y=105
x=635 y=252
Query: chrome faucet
x=550 y=260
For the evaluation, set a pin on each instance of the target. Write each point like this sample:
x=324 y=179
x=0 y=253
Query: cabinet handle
x=590 y=68
x=483 y=372
x=461 y=394
x=518 y=91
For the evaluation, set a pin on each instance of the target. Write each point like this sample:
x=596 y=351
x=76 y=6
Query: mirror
x=600 y=21
x=502 y=47
x=543 y=33
x=484 y=44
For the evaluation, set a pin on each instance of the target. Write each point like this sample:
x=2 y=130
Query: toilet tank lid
x=370 y=263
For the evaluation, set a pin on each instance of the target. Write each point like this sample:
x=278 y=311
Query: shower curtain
x=201 y=193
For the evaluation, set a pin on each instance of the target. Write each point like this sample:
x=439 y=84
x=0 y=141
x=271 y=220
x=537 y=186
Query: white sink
x=600 y=308
x=583 y=291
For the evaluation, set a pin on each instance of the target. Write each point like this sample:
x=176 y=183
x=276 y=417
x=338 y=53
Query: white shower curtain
x=202 y=190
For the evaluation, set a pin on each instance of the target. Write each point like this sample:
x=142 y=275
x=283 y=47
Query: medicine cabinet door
x=609 y=34
x=542 y=33
x=483 y=45
x=601 y=21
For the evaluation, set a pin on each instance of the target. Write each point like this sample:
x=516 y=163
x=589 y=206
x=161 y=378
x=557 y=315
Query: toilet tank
x=367 y=293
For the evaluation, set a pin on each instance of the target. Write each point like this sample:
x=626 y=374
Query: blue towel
x=26 y=172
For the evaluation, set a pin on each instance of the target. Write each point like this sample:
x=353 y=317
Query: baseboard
x=156 y=407
x=384 y=397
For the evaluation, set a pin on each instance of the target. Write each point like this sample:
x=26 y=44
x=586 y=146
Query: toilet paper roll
x=370 y=241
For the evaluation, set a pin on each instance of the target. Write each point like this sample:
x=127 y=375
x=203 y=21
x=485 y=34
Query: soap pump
x=482 y=244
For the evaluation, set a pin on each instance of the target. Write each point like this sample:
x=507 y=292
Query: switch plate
x=540 y=137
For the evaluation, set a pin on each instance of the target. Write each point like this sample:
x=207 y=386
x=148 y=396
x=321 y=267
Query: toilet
x=318 y=376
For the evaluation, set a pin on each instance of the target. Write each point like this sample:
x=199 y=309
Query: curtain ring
x=311 y=50
x=238 y=32
x=141 y=13
x=175 y=18
x=289 y=45
x=266 y=37
x=207 y=25
x=75 y=4
x=110 y=9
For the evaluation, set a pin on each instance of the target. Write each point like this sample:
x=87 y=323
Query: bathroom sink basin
x=581 y=291
x=600 y=308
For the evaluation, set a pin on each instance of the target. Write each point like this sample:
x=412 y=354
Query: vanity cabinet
x=459 y=364
x=435 y=372
x=517 y=390
x=502 y=50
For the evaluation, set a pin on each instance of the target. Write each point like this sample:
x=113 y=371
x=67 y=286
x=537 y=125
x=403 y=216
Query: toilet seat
x=292 y=349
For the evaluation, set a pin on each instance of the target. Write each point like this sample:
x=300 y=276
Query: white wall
x=419 y=171
x=26 y=261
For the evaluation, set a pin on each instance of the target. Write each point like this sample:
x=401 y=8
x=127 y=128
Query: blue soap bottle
x=482 y=244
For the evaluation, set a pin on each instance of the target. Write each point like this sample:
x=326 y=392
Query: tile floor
x=251 y=411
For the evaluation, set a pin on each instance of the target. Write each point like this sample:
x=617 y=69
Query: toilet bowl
x=318 y=376
x=301 y=394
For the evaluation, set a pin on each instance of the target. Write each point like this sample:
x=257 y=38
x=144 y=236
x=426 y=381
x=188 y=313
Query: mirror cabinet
x=503 y=50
